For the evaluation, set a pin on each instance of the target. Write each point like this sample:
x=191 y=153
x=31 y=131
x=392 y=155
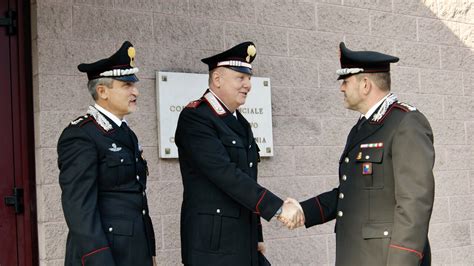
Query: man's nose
x=135 y=91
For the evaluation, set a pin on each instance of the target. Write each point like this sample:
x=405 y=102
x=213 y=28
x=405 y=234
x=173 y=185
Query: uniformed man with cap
x=218 y=156
x=385 y=196
x=103 y=173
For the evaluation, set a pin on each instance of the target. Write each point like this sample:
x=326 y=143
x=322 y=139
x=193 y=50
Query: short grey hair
x=381 y=79
x=92 y=85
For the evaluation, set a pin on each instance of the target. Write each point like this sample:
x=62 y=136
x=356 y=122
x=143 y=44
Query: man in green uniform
x=385 y=196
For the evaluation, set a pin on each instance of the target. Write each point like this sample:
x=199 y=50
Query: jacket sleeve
x=198 y=139
x=413 y=159
x=320 y=209
x=77 y=161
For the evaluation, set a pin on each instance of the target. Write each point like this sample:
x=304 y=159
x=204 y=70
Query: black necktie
x=125 y=127
x=360 y=122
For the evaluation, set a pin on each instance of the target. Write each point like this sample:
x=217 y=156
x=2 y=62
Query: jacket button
x=144 y=212
x=233 y=142
x=250 y=146
x=218 y=210
x=344 y=177
x=121 y=160
x=138 y=177
x=340 y=213
x=144 y=193
x=346 y=160
x=367 y=157
x=111 y=229
x=341 y=195
x=385 y=233
x=250 y=164
x=136 y=159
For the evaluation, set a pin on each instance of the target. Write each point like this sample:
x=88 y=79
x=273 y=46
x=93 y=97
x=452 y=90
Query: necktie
x=361 y=122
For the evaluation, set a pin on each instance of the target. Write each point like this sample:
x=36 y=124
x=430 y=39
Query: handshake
x=292 y=215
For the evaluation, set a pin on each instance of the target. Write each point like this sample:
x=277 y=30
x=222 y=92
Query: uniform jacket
x=386 y=190
x=222 y=201
x=103 y=182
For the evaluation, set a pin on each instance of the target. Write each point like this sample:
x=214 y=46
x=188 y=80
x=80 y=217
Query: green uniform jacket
x=386 y=190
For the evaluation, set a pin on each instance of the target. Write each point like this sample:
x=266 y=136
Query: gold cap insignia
x=131 y=54
x=251 y=51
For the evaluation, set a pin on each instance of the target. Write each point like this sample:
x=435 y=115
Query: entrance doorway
x=18 y=233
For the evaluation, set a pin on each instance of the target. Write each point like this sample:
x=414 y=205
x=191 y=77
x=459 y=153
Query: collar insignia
x=215 y=104
x=115 y=148
x=392 y=98
x=99 y=118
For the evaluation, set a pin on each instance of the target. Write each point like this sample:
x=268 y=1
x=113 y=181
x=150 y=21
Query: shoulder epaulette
x=194 y=104
x=405 y=106
x=81 y=120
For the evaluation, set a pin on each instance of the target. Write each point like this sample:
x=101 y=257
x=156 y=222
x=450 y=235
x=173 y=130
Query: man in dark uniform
x=386 y=187
x=218 y=156
x=103 y=173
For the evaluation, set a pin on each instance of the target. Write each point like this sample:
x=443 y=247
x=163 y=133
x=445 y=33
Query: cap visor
x=244 y=70
x=128 y=78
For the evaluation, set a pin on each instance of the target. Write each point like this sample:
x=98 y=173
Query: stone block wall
x=297 y=42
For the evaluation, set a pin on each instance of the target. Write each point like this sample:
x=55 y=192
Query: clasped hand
x=292 y=215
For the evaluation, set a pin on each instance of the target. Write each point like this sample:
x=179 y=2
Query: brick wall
x=297 y=48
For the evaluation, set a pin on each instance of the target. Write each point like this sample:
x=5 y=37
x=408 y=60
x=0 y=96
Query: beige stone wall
x=297 y=48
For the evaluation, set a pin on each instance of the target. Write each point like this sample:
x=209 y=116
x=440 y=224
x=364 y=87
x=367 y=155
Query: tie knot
x=361 y=122
x=125 y=126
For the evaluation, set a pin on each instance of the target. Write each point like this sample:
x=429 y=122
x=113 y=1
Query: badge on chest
x=367 y=168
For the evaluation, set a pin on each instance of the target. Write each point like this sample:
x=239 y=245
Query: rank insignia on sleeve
x=367 y=168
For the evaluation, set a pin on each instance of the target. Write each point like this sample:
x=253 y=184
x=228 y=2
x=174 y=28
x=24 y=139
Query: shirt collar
x=234 y=113
x=374 y=107
x=112 y=117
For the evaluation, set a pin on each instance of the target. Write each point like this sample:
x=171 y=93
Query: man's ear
x=366 y=85
x=217 y=78
x=102 y=92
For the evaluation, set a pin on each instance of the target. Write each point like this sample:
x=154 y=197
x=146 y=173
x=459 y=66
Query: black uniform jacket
x=386 y=190
x=222 y=202
x=103 y=181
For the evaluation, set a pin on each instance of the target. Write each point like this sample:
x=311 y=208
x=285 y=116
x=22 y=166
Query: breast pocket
x=120 y=167
x=235 y=148
x=369 y=163
x=217 y=230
